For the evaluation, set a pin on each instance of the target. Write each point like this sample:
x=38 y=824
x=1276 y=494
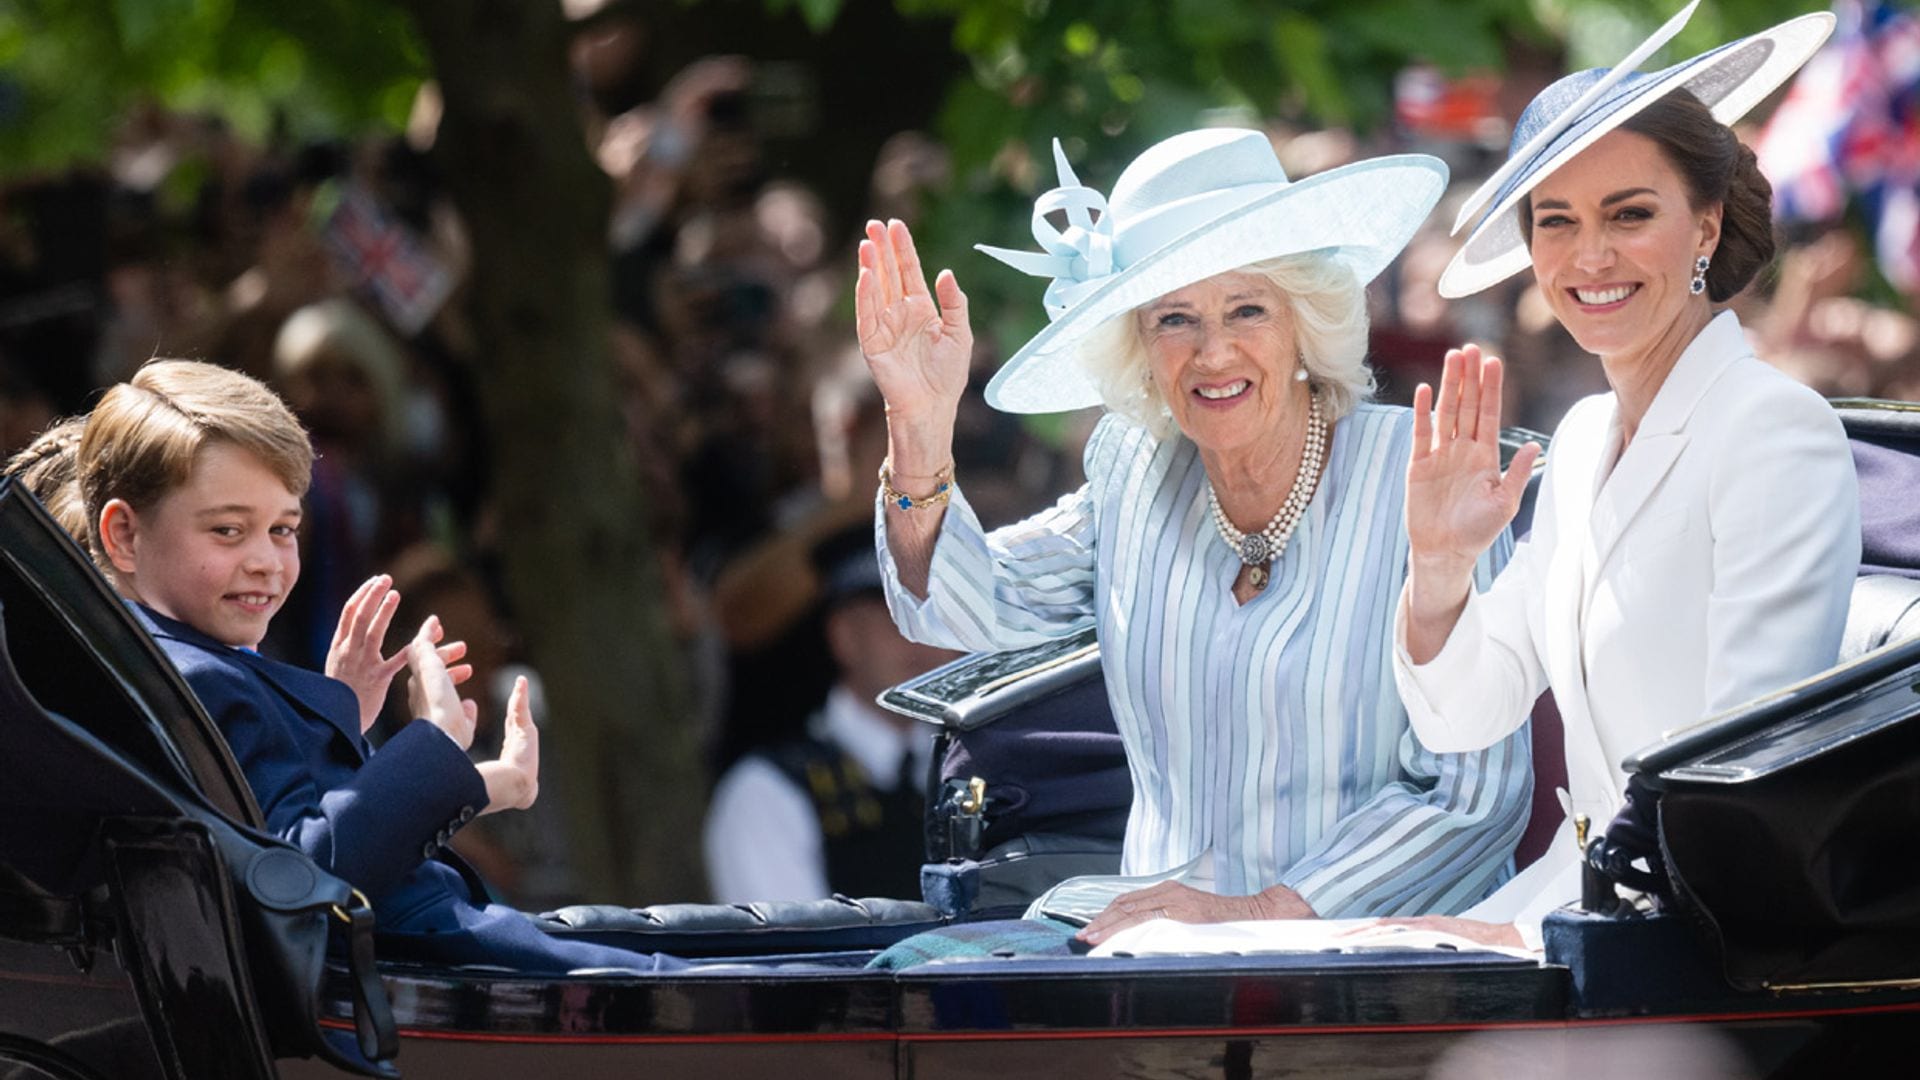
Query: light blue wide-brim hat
x=1198 y=204
x=1575 y=112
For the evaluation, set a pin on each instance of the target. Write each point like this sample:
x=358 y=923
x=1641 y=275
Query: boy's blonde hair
x=143 y=436
x=49 y=468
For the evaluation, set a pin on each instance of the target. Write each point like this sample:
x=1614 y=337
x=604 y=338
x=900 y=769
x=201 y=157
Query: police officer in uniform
x=841 y=807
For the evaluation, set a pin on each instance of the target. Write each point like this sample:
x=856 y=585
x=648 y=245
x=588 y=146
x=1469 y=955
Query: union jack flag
x=1850 y=129
x=385 y=259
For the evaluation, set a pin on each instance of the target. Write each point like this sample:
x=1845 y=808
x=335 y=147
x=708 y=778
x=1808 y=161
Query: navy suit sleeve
x=371 y=823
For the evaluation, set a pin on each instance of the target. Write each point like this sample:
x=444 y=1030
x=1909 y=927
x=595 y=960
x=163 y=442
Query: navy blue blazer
x=381 y=820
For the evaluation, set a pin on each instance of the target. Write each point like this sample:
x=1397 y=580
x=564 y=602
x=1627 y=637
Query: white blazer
x=1708 y=564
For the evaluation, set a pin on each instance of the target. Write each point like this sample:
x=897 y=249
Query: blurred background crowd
x=337 y=266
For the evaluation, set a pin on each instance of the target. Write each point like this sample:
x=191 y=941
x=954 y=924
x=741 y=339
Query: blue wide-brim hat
x=1575 y=112
x=1198 y=204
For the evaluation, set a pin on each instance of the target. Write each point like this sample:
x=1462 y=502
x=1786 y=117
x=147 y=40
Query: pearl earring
x=1300 y=375
x=1699 y=283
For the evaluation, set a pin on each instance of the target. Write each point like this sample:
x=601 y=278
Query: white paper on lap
x=1165 y=937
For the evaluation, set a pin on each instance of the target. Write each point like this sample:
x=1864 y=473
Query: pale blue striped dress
x=1269 y=735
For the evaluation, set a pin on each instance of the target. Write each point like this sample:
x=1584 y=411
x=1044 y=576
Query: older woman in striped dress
x=1238 y=544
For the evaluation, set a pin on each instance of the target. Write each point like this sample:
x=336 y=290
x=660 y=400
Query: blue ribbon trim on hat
x=1076 y=258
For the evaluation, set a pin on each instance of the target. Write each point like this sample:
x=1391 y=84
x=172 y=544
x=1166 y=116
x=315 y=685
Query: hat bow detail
x=1077 y=257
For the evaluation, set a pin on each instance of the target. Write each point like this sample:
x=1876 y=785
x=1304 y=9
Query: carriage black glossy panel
x=733 y=1000
x=1227 y=992
x=184 y=953
x=88 y=1015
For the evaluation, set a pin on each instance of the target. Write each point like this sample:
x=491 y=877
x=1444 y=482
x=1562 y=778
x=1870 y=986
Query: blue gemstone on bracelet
x=906 y=502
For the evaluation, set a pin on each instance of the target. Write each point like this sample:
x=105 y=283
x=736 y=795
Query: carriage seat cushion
x=1884 y=609
x=1056 y=766
x=765 y=928
x=1888 y=469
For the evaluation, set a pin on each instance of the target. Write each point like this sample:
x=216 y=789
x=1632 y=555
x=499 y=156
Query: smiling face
x=1615 y=236
x=1223 y=352
x=219 y=553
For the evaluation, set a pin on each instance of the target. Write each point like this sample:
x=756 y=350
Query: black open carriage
x=147 y=929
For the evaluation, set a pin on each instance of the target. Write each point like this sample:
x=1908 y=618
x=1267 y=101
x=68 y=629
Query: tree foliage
x=69 y=69
x=1097 y=74
x=1110 y=79
x=1106 y=78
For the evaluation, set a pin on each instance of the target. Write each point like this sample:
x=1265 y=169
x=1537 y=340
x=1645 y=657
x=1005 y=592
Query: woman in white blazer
x=1697 y=531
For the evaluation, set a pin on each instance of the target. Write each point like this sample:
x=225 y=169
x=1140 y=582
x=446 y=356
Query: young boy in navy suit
x=192 y=477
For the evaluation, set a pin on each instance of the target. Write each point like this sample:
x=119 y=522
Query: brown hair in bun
x=1717 y=167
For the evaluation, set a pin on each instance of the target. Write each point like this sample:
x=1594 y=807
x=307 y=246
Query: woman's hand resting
x=1183 y=903
x=1502 y=935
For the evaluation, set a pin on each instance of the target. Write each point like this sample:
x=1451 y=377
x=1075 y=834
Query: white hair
x=343 y=328
x=1330 y=330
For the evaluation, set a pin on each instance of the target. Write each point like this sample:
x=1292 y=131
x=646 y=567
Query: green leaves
x=1299 y=47
x=141 y=22
x=818 y=14
x=309 y=67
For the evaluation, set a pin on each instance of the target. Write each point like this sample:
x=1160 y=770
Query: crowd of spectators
x=333 y=271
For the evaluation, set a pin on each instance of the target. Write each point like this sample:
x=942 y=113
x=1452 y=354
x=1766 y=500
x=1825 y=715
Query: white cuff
x=1424 y=687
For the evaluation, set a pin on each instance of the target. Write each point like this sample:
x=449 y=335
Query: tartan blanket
x=978 y=941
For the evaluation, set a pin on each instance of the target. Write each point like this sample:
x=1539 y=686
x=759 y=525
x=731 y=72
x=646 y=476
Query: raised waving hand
x=1458 y=499
x=918 y=352
x=354 y=656
x=431 y=691
x=513 y=780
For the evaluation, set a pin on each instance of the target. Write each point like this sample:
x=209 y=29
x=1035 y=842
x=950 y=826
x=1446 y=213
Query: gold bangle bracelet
x=942 y=488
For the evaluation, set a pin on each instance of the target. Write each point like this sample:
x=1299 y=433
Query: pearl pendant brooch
x=1257 y=550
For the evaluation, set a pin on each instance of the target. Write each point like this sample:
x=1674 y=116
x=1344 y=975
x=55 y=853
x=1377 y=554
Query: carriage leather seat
x=765 y=928
x=1885 y=609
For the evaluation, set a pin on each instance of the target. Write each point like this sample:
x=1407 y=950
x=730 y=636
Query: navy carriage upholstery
x=760 y=929
x=1030 y=781
x=1886 y=457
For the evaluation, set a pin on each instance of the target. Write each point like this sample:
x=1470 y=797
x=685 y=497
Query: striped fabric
x=1269 y=735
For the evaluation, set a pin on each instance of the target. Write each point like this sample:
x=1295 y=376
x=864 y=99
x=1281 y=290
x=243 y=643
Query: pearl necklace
x=1258 y=550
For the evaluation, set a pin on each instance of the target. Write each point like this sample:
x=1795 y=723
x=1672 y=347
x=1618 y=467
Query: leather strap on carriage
x=1633 y=836
x=372 y=1012
x=30 y=914
x=281 y=879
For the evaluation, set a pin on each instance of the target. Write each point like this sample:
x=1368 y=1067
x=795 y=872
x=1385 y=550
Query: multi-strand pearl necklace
x=1258 y=550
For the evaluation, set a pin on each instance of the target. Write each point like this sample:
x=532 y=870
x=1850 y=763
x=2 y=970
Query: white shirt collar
x=858 y=727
